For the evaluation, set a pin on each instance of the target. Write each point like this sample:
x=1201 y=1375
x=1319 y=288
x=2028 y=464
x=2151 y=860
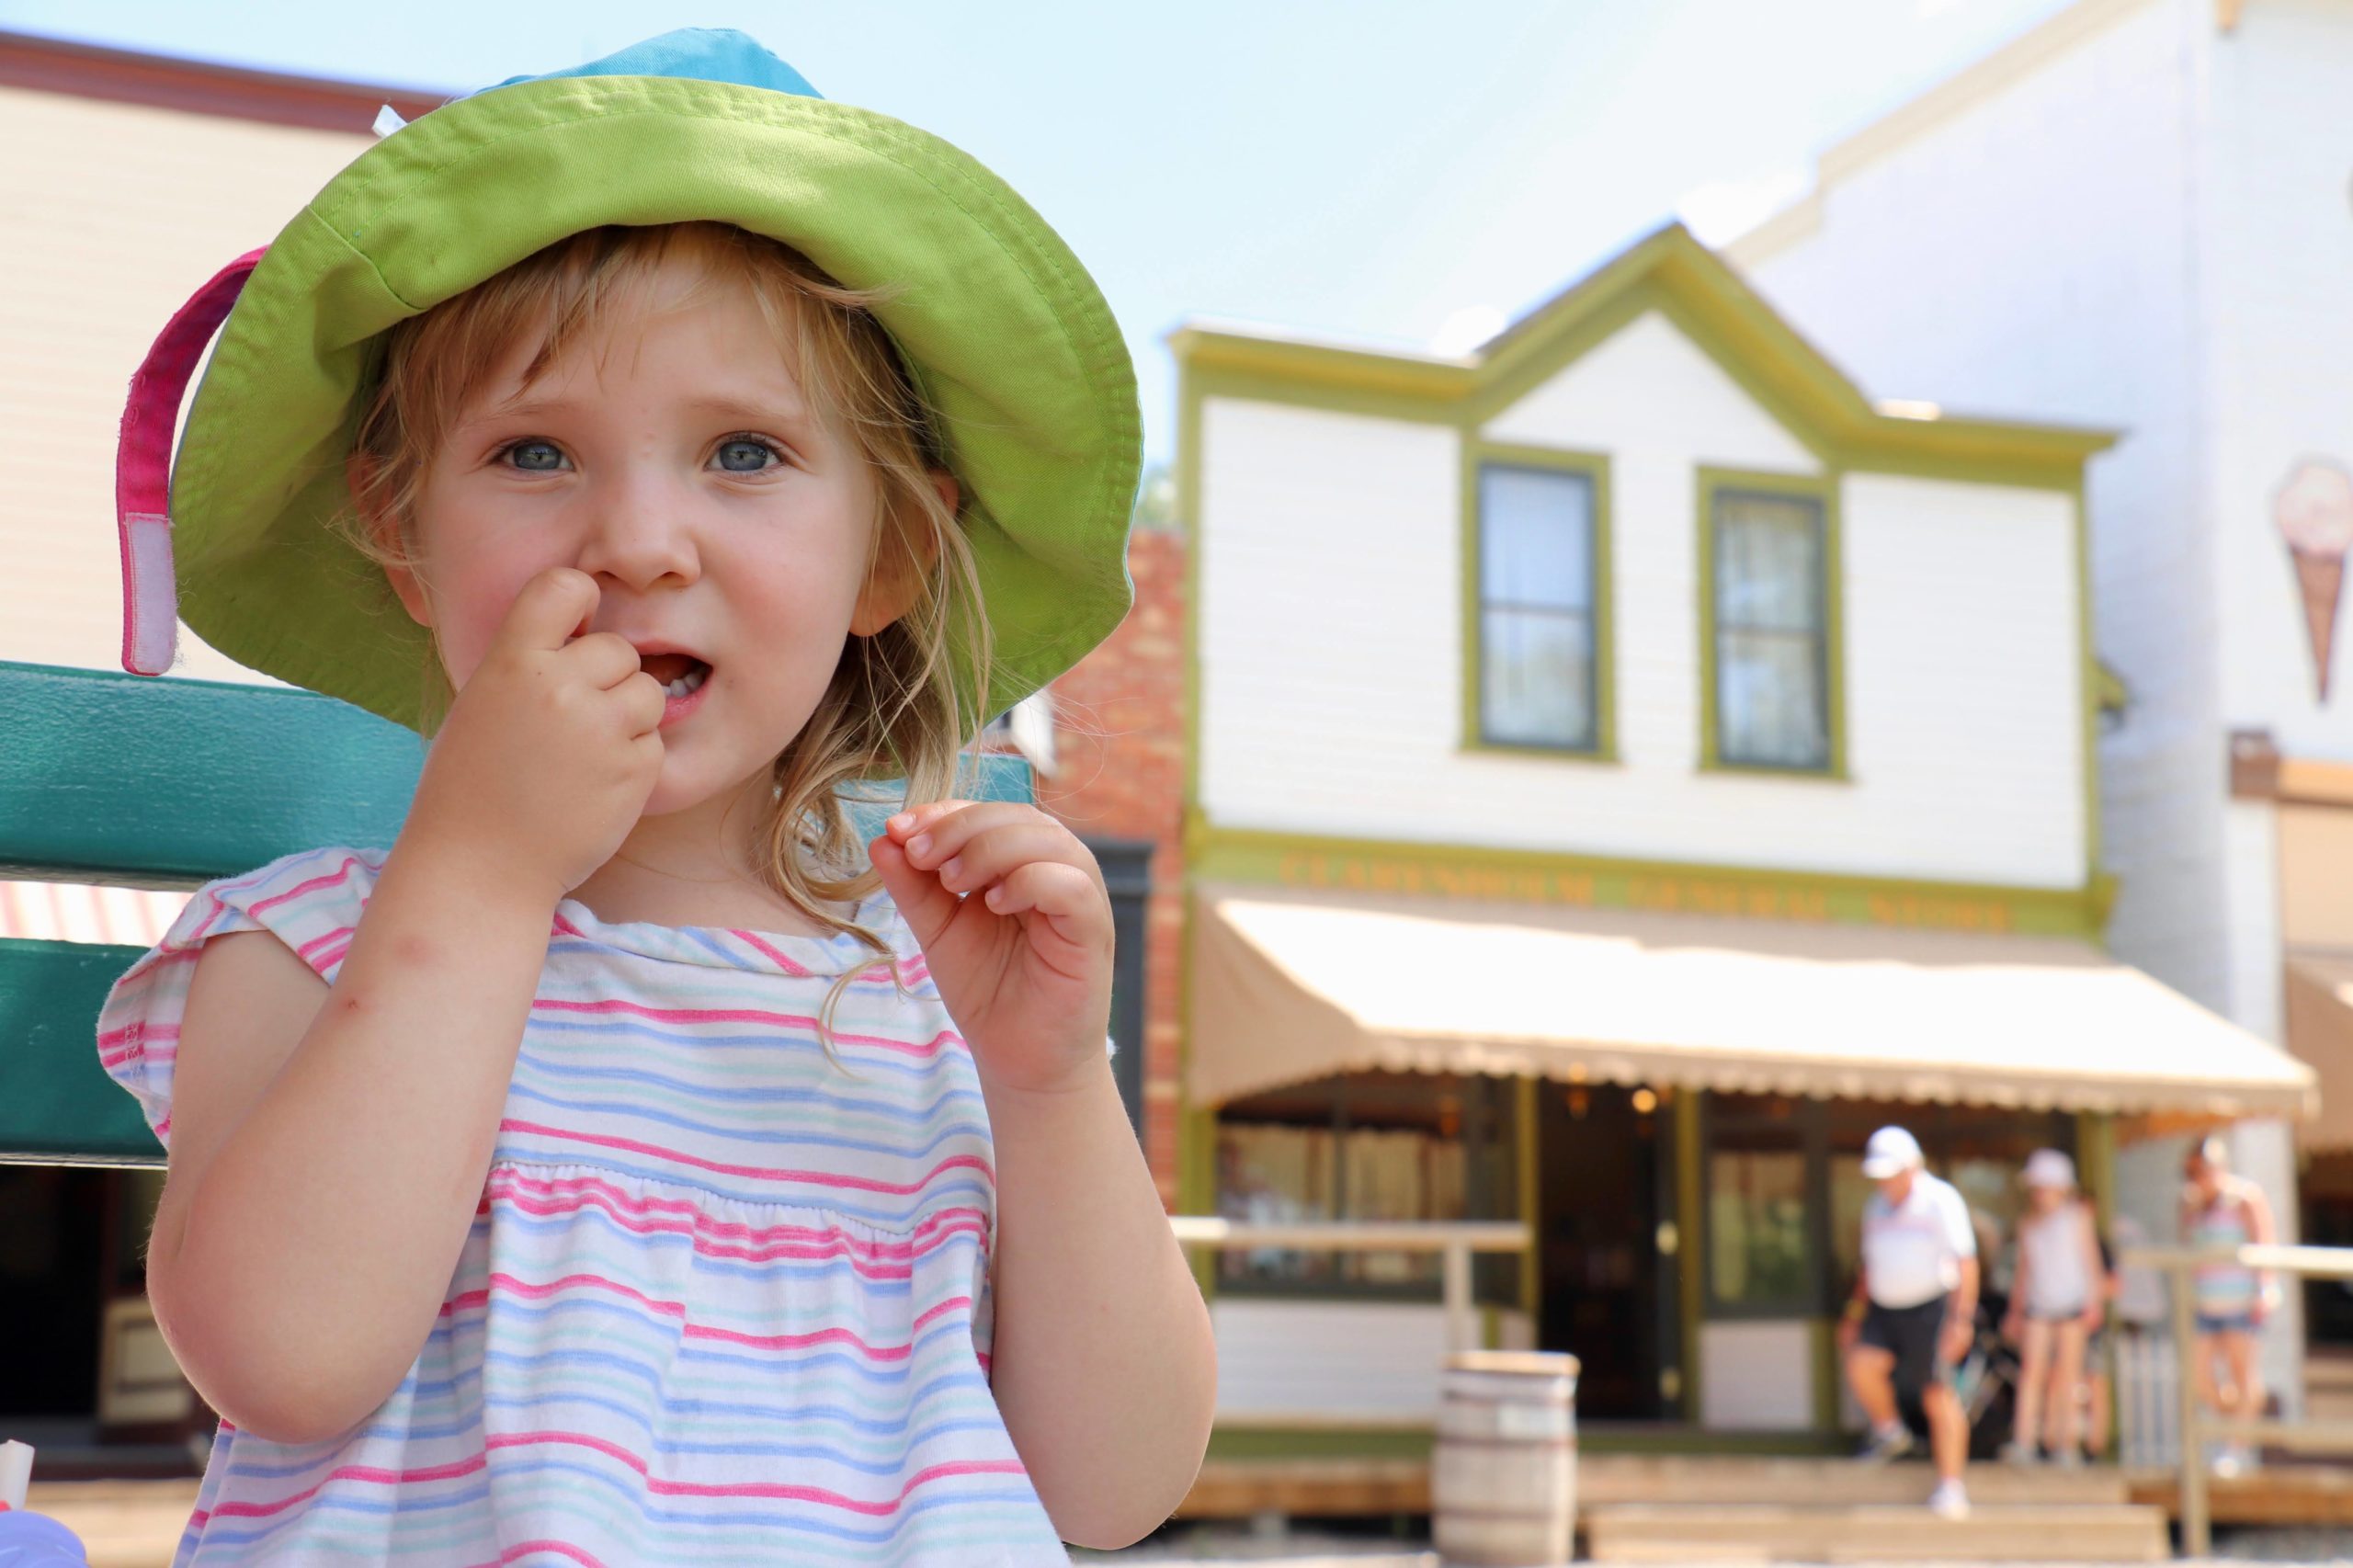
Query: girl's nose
x=639 y=532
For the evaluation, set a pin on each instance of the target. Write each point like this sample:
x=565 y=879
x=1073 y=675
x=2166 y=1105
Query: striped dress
x=724 y=1302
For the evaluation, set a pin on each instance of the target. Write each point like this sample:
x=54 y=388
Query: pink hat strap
x=143 y=470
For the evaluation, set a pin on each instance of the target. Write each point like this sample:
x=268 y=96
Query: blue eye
x=742 y=454
x=535 y=457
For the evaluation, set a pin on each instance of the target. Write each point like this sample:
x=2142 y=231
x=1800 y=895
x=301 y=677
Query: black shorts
x=1915 y=1337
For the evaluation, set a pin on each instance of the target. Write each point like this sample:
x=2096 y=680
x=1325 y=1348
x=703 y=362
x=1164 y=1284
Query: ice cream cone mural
x=2315 y=511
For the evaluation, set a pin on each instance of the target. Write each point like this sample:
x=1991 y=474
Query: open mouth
x=681 y=675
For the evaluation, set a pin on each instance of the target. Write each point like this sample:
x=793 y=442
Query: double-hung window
x=1771 y=628
x=1539 y=634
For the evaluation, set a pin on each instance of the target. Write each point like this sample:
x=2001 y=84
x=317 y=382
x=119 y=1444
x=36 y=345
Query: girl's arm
x=328 y=1145
x=1103 y=1362
x=2263 y=1233
x=2014 y=1311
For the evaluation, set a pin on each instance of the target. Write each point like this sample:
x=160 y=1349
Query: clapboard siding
x=1331 y=655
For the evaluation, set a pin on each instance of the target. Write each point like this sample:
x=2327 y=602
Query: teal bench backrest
x=123 y=779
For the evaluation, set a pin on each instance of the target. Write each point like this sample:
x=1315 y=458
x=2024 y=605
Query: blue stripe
x=542 y=1152
x=750 y=1096
x=964 y=1131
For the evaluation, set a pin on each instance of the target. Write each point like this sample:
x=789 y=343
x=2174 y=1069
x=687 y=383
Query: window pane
x=1756 y=1233
x=1772 y=706
x=1535 y=539
x=1768 y=700
x=1536 y=688
x=1536 y=606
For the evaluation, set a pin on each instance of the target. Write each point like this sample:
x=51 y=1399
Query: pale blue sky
x=1366 y=170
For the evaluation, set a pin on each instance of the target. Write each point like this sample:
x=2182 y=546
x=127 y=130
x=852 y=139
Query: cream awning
x=1289 y=986
x=2319 y=994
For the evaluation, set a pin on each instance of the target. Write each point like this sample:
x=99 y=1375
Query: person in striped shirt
x=636 y=1162
x=2220 y=1210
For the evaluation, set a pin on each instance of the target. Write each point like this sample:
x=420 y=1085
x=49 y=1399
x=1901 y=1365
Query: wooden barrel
x=1504 y=1481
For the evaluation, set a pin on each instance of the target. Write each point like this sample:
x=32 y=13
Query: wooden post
x=1460 y=1333
x=2197 y=1530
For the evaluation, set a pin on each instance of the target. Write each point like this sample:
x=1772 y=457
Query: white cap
x=1891 y=1152
x=2049 y=1167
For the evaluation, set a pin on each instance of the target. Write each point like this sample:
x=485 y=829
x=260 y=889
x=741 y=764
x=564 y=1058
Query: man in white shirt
x=1913 y=1312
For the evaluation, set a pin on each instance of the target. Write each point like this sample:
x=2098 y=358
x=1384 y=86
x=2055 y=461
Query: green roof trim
x=1673 y=273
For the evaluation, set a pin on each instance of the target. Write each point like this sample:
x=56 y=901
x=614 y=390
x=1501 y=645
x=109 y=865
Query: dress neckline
x=735 y=947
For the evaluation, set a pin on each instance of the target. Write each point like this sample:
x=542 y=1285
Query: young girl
x=2223 y=1210
x=2057 y=1296
x=612 y=1172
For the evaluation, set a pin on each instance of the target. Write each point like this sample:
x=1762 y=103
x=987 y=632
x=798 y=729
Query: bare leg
x=2098 y=1412
x=1948 y=1430
x=1870 y=1372
x=2066 y=1387
x=2034 y=1373
x=2205 y=1350
x=2246 y=1376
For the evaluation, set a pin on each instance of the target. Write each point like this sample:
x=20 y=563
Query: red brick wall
x=1119 y=773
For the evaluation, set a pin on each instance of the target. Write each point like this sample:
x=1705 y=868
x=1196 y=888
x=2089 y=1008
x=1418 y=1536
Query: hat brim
x=1882 y=1169
x=1002 y=329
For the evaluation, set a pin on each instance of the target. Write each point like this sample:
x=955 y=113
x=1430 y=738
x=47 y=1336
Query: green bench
x=129 y=780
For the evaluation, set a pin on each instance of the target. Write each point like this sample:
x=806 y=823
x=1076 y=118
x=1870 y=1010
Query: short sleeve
x=1958 y=1232
x=310 y=901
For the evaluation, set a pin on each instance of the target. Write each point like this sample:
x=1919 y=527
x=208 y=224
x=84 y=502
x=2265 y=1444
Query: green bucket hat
x=1004 y=332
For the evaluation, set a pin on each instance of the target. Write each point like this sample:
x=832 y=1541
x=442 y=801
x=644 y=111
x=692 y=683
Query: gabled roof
x=1671 y=272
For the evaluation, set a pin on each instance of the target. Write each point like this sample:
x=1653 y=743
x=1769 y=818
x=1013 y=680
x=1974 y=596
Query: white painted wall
x=1280 y=1361
x=2033 y=254
x=2275 y=248
x=1756 y=1376
x=1331 y=652
x=142 y=205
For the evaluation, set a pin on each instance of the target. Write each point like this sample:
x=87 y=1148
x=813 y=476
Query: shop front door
x=1600 y=1170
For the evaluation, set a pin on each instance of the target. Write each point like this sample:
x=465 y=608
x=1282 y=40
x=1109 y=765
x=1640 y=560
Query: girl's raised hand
x=551 y=749
x=1015 y=925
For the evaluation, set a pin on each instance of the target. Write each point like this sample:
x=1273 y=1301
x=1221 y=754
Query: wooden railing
x=2179 y=1264
x=1454 y=1241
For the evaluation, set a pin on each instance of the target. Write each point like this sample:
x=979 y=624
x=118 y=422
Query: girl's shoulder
x=311 y=901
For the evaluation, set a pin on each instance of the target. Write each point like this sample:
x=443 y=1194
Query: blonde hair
x=903 y=703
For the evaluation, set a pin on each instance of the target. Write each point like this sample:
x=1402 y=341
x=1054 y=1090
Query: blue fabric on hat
x=702 y=54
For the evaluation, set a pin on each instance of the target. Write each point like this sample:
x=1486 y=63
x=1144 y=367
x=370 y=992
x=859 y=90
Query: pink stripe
x=569 y=929
x=507 y=1285
x=785 y=963
x=141 y=1031
x=561 y=1548
x=204 y=928
x=372 y=1475
x=758 y=1173
x=341 y=933
x=942 y=1221
x=761 y=1489
x=329 y=879
x=711 y=1238
x=745 y=1015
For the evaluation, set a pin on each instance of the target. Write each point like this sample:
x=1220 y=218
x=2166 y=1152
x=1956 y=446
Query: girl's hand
x=551 y=749
x=1016 y=924
x=2094 y=1315
x=2013 y=1325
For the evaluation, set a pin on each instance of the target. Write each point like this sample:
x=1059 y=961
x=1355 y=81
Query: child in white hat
x=2055 y=1307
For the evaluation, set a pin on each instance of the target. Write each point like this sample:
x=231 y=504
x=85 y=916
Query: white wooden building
x=1629 y=764
x=2137 y=216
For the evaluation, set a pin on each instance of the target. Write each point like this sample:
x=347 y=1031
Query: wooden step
x=1606 y=1479
x=1756 y=1532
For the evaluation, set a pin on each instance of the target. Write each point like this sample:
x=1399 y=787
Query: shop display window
x=1364 y=1147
